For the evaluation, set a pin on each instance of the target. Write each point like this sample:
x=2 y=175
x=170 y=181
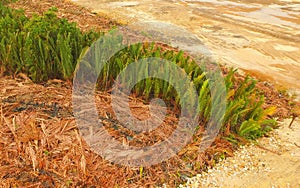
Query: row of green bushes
x=43 y=47
x=46 y=47
x=244 y=114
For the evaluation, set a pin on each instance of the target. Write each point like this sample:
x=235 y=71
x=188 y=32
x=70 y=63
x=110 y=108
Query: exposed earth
x=261 y=37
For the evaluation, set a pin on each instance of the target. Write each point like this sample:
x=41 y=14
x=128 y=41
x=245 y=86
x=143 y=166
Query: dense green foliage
x=244 y=113
x=43 y=47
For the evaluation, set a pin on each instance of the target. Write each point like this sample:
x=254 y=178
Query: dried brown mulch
x=40 y=145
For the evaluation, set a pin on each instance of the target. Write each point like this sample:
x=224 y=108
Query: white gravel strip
x=251 y=166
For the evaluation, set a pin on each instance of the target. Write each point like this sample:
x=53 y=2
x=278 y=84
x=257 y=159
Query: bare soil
x=260 y=37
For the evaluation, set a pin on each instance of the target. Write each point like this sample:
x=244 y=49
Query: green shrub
x=44 y=47
x=244 y=113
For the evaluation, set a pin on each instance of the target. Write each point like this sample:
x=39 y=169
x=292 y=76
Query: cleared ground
x=261 y=37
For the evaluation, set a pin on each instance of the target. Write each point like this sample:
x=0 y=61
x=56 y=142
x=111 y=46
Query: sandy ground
x=261 y=38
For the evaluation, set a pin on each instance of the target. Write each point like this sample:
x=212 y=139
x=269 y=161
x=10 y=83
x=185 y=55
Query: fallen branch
x=293 y=119
x=296 y=145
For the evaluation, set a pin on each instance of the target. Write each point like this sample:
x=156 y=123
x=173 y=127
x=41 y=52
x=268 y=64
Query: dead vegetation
x=40 y=144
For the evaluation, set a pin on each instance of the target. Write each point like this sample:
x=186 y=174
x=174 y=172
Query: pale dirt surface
x=260 y=37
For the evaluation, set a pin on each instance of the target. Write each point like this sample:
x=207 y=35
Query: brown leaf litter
x=85 y=19
x=40 y=144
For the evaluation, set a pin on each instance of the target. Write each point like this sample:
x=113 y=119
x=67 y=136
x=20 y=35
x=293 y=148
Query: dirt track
x=261 y=38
